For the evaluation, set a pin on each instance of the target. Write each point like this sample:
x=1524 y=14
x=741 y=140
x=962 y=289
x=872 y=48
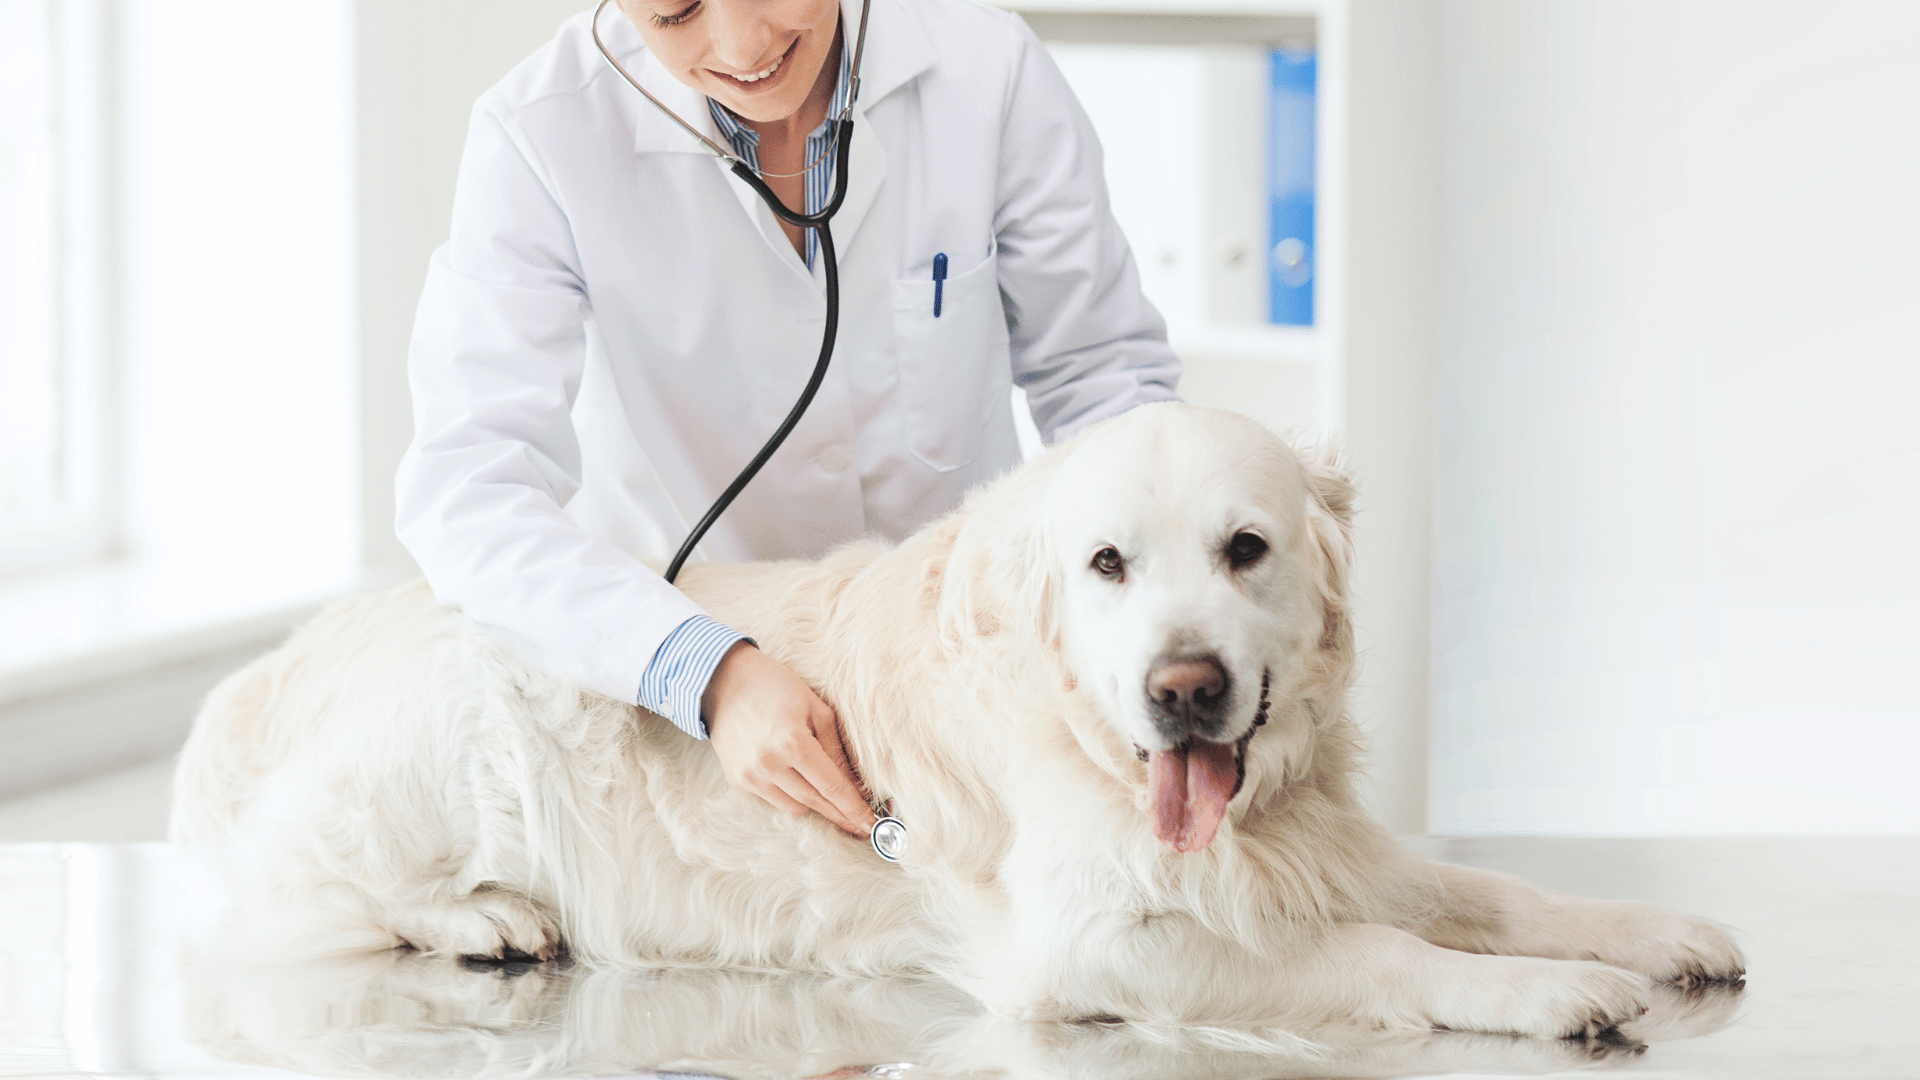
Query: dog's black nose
x=1189 y=695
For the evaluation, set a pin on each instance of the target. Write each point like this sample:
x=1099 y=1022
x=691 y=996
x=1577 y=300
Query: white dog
x=1106 y=696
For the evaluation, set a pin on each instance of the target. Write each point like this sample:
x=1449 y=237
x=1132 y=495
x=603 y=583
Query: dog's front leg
x=1167 y=968
x=1484 y=912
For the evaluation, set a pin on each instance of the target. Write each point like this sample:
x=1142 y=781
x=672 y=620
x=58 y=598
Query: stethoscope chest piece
x=889 y=836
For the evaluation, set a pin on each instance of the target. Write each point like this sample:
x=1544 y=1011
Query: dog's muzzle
x=1190 y=784
x=1240 y=744
x=1188 y=697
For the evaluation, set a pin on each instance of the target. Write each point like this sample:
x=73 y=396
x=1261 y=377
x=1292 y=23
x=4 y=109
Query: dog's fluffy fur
x=395 y=777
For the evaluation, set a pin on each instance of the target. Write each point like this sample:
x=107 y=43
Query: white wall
x=1678 y=362
x=1392 y=230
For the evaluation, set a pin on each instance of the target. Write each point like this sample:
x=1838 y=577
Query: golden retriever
x=1106 y=696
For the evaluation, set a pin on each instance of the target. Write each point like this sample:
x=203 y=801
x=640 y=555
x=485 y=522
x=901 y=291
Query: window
x=52 y=459
x=177 y=340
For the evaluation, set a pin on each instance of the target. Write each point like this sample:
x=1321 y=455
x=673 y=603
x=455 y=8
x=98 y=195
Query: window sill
x=79 y=626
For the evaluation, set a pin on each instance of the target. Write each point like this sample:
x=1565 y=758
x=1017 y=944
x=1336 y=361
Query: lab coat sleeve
x=1086 y=344
x=498 y=349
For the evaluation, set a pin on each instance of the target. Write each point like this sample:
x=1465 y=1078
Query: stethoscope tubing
x=830 y=265
x=817 y=221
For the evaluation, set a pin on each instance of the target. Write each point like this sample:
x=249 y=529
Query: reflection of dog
x=1107 y=697
x=413 y=1014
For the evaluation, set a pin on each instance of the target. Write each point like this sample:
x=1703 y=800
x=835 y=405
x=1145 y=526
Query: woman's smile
x=763 y=80
x=766 y=60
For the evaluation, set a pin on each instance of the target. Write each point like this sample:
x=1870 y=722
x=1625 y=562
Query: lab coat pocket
x=954 y=367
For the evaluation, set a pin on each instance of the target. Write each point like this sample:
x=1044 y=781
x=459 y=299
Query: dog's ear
x=1330 y=492
x=1000 y=576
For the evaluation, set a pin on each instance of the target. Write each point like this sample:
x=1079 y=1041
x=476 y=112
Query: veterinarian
x=618 y=322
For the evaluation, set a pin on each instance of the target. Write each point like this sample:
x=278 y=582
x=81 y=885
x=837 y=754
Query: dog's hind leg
x=314 y=918
x=487 y=922
x=362 y=885
x=1484 y=912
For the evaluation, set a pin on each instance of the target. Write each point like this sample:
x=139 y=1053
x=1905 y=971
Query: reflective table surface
x=92 y=982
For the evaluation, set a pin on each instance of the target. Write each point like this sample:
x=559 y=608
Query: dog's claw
x=508 y=963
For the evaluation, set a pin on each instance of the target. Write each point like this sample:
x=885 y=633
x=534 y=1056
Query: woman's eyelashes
x=676 y=18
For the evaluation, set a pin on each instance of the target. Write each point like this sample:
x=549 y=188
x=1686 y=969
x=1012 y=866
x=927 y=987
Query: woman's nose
x=739 y=37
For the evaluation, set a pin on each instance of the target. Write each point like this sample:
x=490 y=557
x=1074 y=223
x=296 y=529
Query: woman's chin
x=757 y=108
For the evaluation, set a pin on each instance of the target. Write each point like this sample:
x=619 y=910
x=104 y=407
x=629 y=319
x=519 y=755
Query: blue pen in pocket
x=939 y=280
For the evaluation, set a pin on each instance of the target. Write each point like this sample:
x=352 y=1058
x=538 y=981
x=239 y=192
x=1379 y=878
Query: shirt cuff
x=681 y=668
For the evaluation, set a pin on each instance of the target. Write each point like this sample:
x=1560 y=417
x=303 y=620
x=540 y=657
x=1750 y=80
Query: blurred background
x=1615 y=307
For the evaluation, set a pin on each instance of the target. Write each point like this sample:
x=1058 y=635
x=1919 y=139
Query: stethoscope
x=842 y=141
x=889 y=834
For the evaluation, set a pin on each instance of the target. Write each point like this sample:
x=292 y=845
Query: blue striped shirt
x=681 y=668
x=683 y=665
x=819 y=179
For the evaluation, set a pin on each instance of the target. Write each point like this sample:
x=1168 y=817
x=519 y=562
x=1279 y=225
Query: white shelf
x=1263 y=344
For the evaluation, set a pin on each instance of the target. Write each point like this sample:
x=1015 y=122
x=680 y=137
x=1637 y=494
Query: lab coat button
x=833 y=459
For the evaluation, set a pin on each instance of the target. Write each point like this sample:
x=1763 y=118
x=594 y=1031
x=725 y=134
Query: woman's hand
x=776 y=739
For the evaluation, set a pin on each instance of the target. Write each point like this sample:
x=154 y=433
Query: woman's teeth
x=758 y=75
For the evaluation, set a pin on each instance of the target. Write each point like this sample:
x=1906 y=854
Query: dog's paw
x=492 y=924
x=1546 y=999
x=1584 y=1002
x=1663 y=945
x=1688 y=1012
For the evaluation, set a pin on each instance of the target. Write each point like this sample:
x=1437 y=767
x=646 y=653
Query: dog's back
x=393 y=775
x=281 y=705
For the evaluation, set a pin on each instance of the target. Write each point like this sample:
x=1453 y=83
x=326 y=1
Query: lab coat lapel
x=656 y=133
x=897 y=50
x=653 y=131
x=762 y=217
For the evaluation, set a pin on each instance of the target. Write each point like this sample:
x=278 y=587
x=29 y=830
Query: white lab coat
x=618 y=323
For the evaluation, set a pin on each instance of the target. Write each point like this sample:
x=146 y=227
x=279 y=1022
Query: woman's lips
x=765 y=79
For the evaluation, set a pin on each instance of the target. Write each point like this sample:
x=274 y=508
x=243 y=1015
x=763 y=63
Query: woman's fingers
x=778 y=740
x=801 y=790
x=828 y=780
x=773 y=796
x=827 y=728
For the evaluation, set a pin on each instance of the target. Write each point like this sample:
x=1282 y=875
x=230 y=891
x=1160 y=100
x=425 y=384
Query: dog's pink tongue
x=1189 y=786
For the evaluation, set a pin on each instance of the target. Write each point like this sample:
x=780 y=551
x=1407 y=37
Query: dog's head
x=1192 y=570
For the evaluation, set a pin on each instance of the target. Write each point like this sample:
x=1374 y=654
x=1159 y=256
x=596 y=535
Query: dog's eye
x=1107 y=560
x=1245 y=549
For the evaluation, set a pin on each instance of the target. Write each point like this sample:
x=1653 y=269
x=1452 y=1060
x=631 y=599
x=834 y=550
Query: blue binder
x=1293 y=75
